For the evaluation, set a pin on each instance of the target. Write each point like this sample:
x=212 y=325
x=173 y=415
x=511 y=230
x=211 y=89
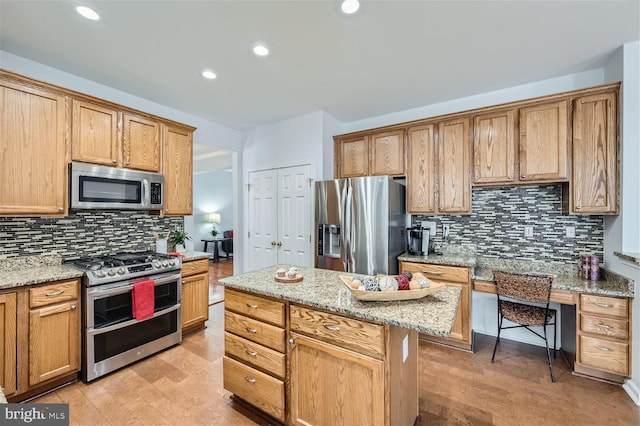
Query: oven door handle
x=101 y=292
x=94 y=331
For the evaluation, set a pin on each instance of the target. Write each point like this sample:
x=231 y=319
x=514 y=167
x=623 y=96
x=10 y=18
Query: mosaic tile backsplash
x=82 y=233
x=499 y=216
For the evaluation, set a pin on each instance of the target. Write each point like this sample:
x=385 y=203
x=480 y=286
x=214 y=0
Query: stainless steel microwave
x=103 y=187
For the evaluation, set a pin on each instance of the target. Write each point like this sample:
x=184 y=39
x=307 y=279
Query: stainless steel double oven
x=112 y=337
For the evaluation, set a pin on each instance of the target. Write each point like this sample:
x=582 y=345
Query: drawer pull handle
x=426 y=271
x=332 y=328
x=606 y=327
x=603 y=305
x=251 y=330
x=249 y=379
x=251 y=353
x=249 y=305
x=193 y=267
x=605 y=349
x=73 y=307
x=54 y=293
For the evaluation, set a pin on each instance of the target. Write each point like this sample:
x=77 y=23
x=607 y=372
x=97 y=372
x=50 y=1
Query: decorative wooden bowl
x=285 y=279
x=389 y=296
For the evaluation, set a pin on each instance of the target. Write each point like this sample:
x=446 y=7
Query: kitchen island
x=311 y=353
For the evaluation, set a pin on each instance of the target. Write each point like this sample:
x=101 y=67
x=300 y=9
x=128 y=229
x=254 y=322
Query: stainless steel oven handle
x=94 y=331
x=101 y=291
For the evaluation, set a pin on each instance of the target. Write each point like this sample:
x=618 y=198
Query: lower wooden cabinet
x=341 y=384
x=8 y=343
x=195 y=295
x=453 y=276
x=54 y=341
x=603 y=343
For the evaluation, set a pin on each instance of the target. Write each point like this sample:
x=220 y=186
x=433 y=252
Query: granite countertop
x=323 y=289
x=454 y=255
x=195 y=255
x=28 y=270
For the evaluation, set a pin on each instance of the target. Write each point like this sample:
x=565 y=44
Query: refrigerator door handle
x=347 y=232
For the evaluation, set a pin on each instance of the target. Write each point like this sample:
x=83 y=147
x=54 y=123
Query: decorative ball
x=356 y=283
x=362 y=288
x=408 y=275
x=414 y=285
x=388 y=283
x=371 y=284
x=359 y=277
x=424 y=283
x=403 y=282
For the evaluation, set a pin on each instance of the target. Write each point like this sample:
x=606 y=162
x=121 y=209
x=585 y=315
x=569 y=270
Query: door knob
x=273 y=243
x=279 y=243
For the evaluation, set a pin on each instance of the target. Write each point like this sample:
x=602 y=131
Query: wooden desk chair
x=227 y=245
x=515 y=288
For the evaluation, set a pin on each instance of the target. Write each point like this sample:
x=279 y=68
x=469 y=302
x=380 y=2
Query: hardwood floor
x=183 y=386
x=217 y=270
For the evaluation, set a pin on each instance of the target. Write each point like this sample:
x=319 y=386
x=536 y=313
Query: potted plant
x=214 y=232
x=178 y=239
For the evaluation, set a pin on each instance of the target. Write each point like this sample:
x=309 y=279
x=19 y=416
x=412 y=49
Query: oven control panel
x=105 y=275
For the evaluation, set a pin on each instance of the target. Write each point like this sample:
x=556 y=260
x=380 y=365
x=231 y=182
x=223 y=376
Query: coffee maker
x=418 y=241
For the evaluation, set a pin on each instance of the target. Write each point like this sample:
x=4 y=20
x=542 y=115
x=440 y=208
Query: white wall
x=330 y=128
x=622 y=233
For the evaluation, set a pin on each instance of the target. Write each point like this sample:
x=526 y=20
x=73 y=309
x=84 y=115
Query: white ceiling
x=390 y=56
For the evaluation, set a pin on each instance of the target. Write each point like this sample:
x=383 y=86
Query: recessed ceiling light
x=88 y=13
x=260 y=50
x=350 y=6
x=209 y=74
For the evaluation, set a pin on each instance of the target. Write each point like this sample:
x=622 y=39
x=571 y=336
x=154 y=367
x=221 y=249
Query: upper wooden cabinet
x=94 y=134
x=33 y=154
x=387 y=153
x=494 y=147
x=177 y=167
x=421 y=176
x=543 y=142
x=140 y=143
x=370 y=155
x=594 y=182
x=454 y=157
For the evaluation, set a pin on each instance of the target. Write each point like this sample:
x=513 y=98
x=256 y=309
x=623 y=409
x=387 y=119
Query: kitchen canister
x=161 y=245
x=590 y=267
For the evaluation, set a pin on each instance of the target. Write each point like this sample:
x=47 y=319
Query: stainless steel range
x=112 y=337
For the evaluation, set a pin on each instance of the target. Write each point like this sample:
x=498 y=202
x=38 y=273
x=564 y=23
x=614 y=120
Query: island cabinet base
x=334 y=369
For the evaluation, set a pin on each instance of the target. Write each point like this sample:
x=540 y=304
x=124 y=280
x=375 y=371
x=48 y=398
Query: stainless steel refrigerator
x=360 y=224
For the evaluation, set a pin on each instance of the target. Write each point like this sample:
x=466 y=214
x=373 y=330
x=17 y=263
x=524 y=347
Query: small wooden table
x=216 y=249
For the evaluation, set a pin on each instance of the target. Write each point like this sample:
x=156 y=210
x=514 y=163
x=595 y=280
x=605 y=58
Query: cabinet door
x=94 y=134
x=33 y=154
x=8 y=343
x=54 y=341
x=140 y=143
x=387 y=153
x=454 y=157
x=543 y=142
x=494 y=147
x=421 y=181
x=354 y=157
x=341 y=385
x=178 y=171
x=595 y=155
x=195 y=300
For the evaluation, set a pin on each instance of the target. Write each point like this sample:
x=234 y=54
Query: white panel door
x=294 y=216
x=263 y=223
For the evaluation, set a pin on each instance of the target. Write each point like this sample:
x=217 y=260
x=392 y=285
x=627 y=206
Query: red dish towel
x=143 y=299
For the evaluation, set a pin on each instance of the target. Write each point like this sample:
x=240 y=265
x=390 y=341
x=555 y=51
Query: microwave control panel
x=156 y=193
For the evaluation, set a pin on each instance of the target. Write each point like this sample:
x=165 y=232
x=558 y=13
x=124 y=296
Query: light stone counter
x=323 y=289
x=195 y=255
x=28 y=270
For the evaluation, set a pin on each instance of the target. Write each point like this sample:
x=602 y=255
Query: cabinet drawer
x=53 y=293
x=195 y=267
x=610 y=327
x=252 y=353
x=253 y=306
x=349 y=333
x=605 y=305
x=605 y=355
x=254 y=330
x=457 y=274
x=255 y=387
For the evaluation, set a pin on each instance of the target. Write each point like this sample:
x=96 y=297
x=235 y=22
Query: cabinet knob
x=523 y=177
x=114 y=161
x=128 y=163
x=60 y=209
x=510 y=177
x=578 y=207
x=250 y=379
x=292 y=340
x=73 y=307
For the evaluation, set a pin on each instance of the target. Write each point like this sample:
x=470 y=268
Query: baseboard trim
x=632 y=390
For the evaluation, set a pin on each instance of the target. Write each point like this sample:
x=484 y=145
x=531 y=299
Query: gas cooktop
x=123 y=266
